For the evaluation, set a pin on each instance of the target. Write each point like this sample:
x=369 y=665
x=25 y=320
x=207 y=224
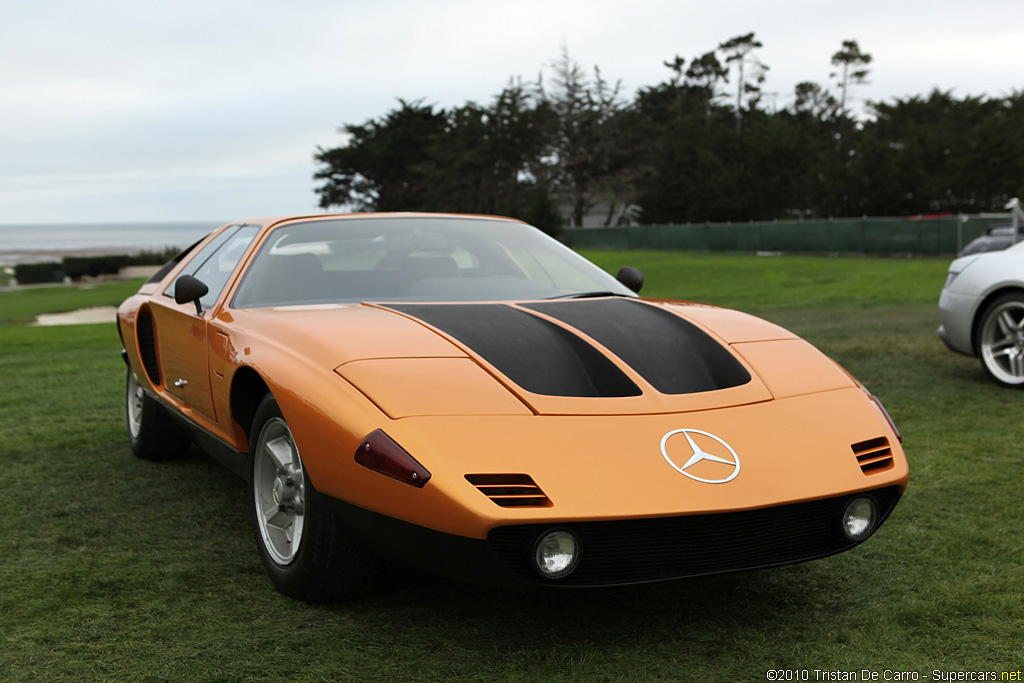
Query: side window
x=169 y=266
x=217 y=260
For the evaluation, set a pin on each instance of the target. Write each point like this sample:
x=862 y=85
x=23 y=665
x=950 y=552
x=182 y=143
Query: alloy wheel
x=1002 y=342
x=280 y=491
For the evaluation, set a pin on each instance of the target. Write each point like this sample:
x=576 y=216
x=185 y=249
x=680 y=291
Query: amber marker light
x=380 y=453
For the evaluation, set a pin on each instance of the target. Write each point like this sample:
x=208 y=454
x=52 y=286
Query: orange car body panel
x=341 y=371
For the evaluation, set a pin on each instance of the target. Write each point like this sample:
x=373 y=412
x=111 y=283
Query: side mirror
x=632 y=278
x=188 y=288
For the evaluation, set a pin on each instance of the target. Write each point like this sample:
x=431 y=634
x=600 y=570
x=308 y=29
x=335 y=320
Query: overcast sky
x=127 y=110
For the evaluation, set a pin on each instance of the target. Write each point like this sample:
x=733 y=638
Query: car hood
x=603 y=356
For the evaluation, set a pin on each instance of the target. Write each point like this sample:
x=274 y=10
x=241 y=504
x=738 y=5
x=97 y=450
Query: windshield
x=415 y=258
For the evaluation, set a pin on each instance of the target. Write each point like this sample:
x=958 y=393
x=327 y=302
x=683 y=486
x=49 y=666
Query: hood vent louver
x=510 y=490
x=873 y=455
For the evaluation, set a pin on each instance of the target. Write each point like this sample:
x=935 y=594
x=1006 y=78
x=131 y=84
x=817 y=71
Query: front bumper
x=945 y=338
x=956 y=312
x=629 y=551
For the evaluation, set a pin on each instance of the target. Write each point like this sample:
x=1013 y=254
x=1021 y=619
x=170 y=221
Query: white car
x=982 y=311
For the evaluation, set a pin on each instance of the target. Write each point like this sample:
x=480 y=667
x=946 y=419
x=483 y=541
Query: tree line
x=706 y=144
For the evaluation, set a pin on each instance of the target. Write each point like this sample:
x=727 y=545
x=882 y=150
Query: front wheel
x=1001 y=340
x=305 y=550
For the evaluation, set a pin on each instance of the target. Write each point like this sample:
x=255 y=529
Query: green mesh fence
x=935 y=236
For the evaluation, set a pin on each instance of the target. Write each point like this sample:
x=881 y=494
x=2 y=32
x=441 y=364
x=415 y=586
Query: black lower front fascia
x=435 y=552
x=622 y=552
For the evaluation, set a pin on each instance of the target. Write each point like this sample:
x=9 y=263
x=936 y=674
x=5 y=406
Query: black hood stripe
x=536 y=354
x=675 y=356
x=672 y=354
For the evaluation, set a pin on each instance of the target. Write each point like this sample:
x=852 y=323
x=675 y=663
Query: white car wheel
x=1001 y=340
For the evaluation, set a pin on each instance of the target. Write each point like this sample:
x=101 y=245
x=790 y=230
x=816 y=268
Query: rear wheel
x=151 y=434
x=305 y=550
x=1000 y=341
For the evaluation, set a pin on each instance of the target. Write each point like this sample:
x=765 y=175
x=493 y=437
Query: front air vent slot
x=510 y=490
x=874 y=455
x=146 y=335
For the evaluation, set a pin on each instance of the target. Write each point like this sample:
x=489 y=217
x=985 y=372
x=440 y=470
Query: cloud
x=165 y=110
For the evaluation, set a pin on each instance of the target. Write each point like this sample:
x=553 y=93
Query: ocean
x=51 y=242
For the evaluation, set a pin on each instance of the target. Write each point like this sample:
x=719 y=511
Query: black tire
x=305 y=550
x=151 y=432
x=1000 y=340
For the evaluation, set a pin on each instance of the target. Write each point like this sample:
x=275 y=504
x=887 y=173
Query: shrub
x=36 y=273
x=77 y=267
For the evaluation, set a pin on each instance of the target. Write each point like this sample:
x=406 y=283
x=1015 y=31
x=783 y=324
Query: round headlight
x=557 y=553
x=859 y=518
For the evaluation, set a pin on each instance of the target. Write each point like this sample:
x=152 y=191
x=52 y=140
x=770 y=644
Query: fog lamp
x=557 y=553
x=859 y=518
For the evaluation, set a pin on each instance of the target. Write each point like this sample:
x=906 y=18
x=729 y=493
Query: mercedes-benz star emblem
x=696 y=455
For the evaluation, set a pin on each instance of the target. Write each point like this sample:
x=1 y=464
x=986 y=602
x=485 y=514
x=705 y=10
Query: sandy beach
x=83 y=316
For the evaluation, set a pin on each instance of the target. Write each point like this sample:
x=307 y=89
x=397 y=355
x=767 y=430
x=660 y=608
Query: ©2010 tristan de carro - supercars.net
x=465 y=395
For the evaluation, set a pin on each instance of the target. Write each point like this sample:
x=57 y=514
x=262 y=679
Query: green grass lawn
x=115 y=568
x=24 y=304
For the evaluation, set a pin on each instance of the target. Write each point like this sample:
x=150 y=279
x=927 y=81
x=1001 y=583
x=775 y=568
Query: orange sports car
x=464 y=394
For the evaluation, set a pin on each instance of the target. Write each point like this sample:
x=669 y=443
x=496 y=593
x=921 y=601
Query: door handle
x=181 y=383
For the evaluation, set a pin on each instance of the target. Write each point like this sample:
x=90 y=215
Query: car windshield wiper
x=585 y=295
